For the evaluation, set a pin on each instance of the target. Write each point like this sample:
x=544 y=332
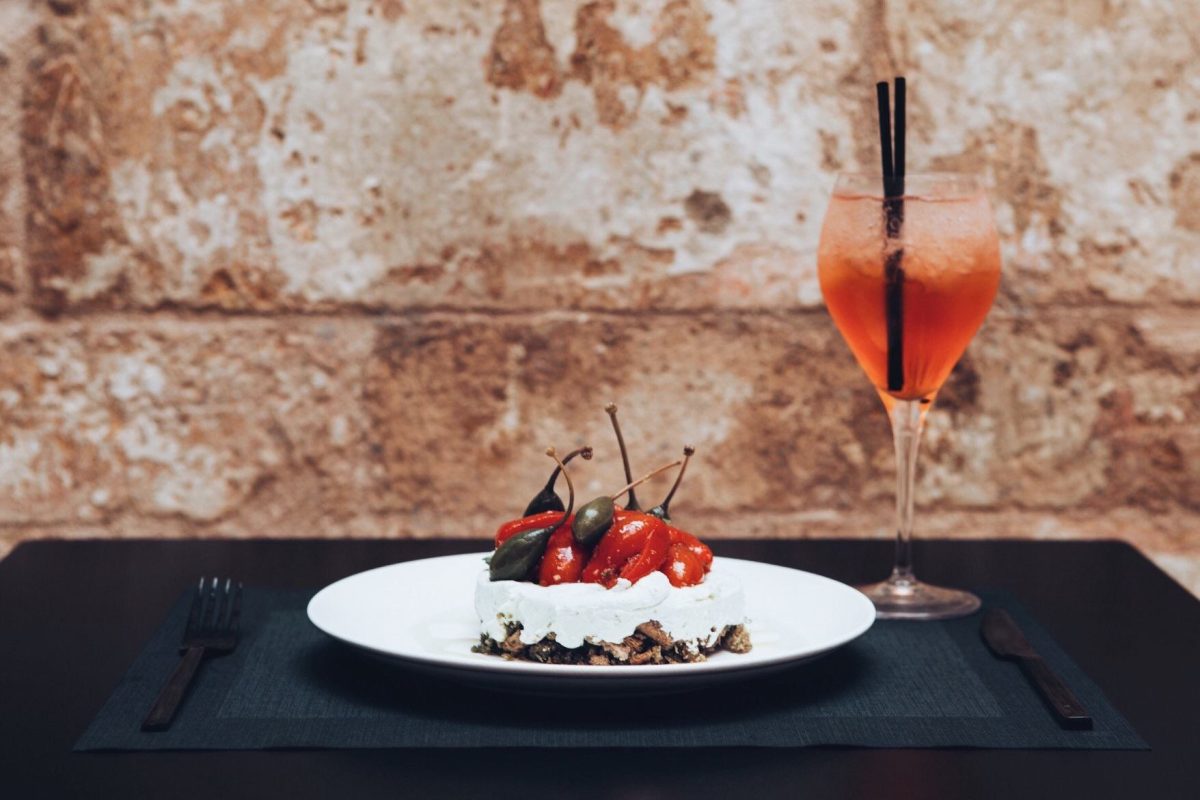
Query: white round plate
x=422 y=614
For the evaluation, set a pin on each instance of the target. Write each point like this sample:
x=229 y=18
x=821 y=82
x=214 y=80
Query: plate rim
x=511 y=670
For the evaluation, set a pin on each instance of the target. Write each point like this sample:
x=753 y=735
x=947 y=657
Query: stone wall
x=344 y=268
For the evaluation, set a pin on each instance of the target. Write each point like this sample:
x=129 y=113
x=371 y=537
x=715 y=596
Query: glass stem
x=908 y=420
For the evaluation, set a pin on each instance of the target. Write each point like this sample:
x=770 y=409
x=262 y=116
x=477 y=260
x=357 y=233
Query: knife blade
x=1005 y=639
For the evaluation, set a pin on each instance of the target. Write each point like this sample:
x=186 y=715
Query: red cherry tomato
x=652 y=556
x=683 y=566
x=624 y=540
x=513 y=527
x=699 y=548
x=563 y=560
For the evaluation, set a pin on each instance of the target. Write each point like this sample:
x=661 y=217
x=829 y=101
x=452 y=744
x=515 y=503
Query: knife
x=1007 y=641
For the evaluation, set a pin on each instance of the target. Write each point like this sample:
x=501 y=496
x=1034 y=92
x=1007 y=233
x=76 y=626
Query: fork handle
x=163 y=710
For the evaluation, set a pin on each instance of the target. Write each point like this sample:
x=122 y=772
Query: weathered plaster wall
x=344 y=267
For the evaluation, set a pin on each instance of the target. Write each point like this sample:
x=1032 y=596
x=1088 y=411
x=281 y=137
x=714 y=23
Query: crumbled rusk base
x=649 y=644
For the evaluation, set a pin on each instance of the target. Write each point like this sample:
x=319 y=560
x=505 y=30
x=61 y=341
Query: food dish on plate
x=606 y=585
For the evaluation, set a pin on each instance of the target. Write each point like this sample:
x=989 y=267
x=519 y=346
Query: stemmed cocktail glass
x=908 y=280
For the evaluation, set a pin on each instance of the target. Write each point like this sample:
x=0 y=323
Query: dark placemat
x=901 y=685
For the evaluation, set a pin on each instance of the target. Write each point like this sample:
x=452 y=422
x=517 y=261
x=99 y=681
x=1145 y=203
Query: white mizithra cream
x=575 y=612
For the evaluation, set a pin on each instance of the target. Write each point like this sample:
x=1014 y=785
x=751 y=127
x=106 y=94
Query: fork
x=212 y=629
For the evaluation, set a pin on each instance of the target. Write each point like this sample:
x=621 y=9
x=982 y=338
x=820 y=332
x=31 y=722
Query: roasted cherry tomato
x=699 y=548
x=624 y=540
x=525 y=524
x=683 y=566
x=563 y=560
x=652 y=556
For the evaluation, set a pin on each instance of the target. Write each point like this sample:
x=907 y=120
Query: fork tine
x=226 y=605
x=210 y=611
x=214 y=623
x=193 y=620
x=236 y=613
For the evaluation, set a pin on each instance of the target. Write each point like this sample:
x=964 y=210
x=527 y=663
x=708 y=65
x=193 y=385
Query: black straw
x=885 y=136
x=898 y=159
x=893 y=205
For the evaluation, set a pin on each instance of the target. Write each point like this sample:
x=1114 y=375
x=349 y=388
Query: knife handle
x=1071 y=713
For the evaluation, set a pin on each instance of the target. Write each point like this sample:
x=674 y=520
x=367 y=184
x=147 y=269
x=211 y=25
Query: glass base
x=905 y=597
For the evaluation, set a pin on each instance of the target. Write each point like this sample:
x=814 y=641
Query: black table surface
x=73 y=615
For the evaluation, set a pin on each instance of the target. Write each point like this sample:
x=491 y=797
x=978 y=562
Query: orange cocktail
x=950 y=265
x=908 y=279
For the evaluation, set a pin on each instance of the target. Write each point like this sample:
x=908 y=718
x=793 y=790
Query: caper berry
x=545 y=500
x=519 y=555
x=592 y=521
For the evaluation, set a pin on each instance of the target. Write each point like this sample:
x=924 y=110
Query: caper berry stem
x=570 y=486
x=585 y=452
x=647 y=477
x=611 y=409
x=547 y=499
x=688 y=452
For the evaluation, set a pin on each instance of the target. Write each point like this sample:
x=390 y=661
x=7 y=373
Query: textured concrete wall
x=340 y=267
